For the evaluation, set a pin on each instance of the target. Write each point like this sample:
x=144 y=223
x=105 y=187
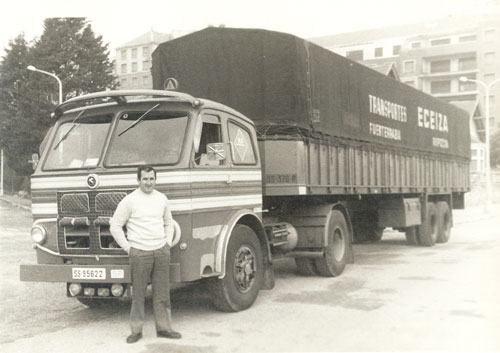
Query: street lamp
x=32 y=68
x=486 y=131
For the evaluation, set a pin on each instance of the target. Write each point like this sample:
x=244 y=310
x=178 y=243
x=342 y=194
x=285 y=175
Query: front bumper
x=64 y=273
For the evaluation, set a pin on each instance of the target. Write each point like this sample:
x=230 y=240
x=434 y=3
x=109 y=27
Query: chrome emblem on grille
x=93 y=181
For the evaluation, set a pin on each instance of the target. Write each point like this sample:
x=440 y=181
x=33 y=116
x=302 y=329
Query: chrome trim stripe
x=44 y=208
x=51 y=252
x=122 y=180
x=179 y=204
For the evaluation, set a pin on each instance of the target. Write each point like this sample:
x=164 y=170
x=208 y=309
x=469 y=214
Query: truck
x=275 y=148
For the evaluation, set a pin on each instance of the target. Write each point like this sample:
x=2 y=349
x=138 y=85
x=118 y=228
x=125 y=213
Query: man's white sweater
x=148 y=220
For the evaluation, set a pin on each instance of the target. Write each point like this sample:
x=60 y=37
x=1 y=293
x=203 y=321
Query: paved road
x=395 y=297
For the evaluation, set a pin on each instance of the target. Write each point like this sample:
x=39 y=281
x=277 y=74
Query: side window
x=211 y=132
x=241 y=141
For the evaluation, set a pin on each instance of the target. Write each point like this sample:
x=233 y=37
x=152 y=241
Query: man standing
x=150 y=229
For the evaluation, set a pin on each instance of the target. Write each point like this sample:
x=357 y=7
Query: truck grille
x=83 y=222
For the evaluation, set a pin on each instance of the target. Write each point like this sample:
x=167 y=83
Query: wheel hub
x=244 y=268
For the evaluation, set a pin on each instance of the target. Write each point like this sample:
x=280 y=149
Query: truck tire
x=444 y=222
x=240 y=286
x=333 y=262
x=305 y=266
x=428 y=230
x=411 y=234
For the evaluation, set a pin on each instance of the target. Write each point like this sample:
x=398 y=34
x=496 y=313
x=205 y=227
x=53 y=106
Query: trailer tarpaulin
x=278 y=78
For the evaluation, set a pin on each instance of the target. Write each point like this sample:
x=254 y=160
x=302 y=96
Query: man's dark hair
x=146 y=168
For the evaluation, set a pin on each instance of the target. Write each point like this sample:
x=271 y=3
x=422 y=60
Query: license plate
x=88 y=273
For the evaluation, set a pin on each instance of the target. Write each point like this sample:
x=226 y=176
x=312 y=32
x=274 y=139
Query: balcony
x=466 y=95
x=458 y=73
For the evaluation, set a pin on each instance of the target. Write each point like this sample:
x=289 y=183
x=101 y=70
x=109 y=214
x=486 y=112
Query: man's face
x=147 y=182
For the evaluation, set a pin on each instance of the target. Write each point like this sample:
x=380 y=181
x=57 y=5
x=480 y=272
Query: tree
x=16 y=110
x=68 y=48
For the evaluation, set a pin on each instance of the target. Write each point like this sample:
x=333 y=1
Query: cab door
x=211 y=194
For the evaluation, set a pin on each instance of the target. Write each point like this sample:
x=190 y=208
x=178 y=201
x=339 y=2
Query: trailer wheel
x=305 y=266
x=240 y=286
x=444 y=222
x=336 y=251
x=428 y=230
x=411 y=234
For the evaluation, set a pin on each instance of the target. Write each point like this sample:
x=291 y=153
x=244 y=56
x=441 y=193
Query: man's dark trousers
x=152 y=265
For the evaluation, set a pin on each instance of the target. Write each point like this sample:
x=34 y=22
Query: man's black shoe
x=169 y=334
x=134 y=337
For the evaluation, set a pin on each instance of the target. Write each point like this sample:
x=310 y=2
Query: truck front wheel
x=333 y=262
x=240 y=286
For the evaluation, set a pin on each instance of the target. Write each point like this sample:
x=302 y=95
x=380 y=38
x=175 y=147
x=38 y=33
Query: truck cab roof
x=123 y=97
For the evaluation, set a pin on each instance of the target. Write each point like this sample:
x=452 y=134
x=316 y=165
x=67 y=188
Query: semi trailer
x=275 y=148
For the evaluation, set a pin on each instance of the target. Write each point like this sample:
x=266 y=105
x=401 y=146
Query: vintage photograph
x=267 y=176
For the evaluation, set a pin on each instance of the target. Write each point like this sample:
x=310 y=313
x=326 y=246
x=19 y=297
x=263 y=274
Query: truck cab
x=208 y=165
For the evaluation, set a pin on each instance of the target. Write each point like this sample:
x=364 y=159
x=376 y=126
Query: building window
x=416 y=45
x=134 y=67
x=467 y=63
x=488 y=78
x=124 y=69
x=134 y=81
x=355 y=54
x=442 y=41
x=145 y=52
x=134 y=53
x=379 y=52
x=468 y=85
x=489 y=58
x=409 y=66
x=145 y=65
x=396 y=49
x=490 y=34
x=440 y=66
x=440 y=86
x=123 y=54
x=123 y=82
x=145 y=80
x=467 y=38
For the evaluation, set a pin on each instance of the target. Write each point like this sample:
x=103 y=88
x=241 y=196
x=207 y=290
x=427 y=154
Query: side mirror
x=216 y=151
x=34 y=160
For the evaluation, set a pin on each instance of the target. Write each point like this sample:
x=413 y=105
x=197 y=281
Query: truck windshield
x=78 y=146
x=156 y=140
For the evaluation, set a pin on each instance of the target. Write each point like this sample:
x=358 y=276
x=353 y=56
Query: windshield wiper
x=138 y=120
x=70 y=129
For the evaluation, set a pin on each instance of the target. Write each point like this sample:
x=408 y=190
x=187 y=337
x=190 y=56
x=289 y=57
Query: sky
x=120 y=21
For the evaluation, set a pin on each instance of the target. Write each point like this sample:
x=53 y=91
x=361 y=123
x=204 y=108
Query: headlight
x=38 y=234
x=74 y=289
x=117 y=290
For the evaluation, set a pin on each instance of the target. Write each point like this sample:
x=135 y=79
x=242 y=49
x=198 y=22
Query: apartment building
x=432 y=56
x=133 y=60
